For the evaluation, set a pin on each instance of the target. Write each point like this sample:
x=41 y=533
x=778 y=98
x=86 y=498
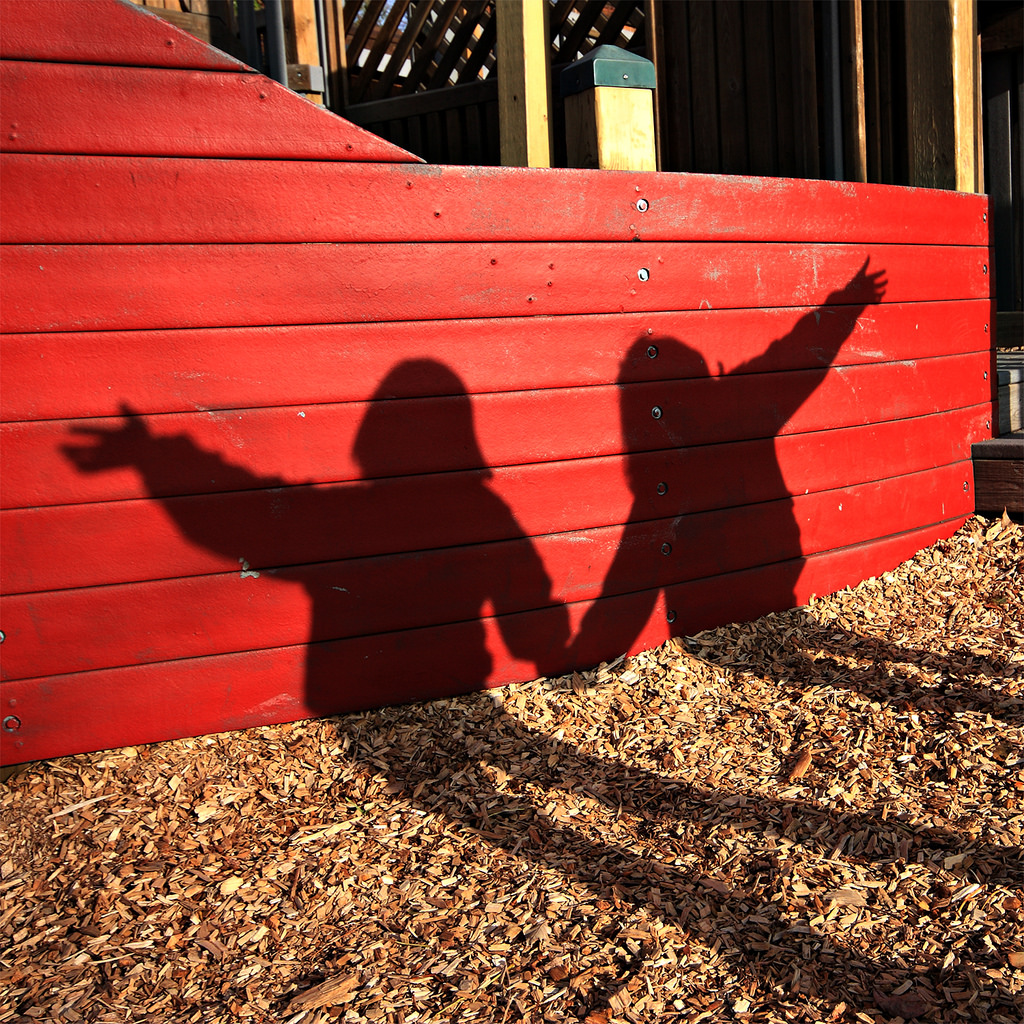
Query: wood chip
x=623 y=845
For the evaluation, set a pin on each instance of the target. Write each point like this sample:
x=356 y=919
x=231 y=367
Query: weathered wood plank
x=52 y=462
x=69 y=288
x=89 y=109
x=999 y=484
x=187 y=697
x=102 y=32
x=83 y=629
x=99 y=543
x=137 y=200
x=72 y=376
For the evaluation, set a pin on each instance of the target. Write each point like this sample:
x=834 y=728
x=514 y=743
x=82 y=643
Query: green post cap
x=607 y=66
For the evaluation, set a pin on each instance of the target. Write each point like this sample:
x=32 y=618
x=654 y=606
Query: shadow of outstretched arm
x=158 y=460
x=822 y=332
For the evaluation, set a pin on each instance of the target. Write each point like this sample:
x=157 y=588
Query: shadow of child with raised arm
x=646 y=562
x=424 y=570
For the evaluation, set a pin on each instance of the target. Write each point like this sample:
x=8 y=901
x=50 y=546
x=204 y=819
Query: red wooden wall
x=293 y=425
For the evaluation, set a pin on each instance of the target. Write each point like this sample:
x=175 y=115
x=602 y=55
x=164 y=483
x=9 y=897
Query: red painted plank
x=84 y=545
x=49 y=376
x=130 y=200
x=93 y=710
x=103 y=627
x=102 y=32
x=70 y=288
x=82 y=109
x=49 y=462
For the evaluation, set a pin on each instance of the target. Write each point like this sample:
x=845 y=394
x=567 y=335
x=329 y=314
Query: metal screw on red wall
x=12 y=723
x=662 y=488
x=666 y=549
x=641 y=205
x=643 y=273
x=652 y=351
x=656 y=412
x=671 y=616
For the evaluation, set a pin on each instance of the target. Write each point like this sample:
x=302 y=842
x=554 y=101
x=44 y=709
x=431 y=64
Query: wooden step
x=1010 y=378
x=999 y=475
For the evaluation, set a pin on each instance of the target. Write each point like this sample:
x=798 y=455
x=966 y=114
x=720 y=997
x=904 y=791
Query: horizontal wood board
x=147 y=111
x=106 y=543
x=88 y=374
x=75 y=288
x=103 y=32
x=81 y=629
x=145 y=703
x=135 y=200
x=52 y=462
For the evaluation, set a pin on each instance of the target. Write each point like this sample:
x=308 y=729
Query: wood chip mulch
x=816 y=816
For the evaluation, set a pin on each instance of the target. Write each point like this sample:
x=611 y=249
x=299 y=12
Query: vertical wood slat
x=784 y=89
x=731 y=77
x=808 y=164
x=523 y=84
x=998 y=132
x=336 y=71
x=930 y=125
x=854 y=102
x=302 y=39
x=704 y=82
x=759 y=96
x=655 y=43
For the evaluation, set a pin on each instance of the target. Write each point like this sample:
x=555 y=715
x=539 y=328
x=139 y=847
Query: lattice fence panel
x=398 y=47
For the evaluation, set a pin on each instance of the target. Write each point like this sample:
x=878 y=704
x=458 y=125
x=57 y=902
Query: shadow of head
x=419 y=399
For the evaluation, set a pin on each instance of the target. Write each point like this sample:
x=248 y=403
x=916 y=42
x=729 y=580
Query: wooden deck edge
x=999 y=475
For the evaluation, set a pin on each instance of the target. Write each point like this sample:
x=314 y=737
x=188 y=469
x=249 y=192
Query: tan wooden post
x=966 y=93
x=609 y=111
x=943 y=79
x=523 y=83
x=305 y=74
x=854 y=106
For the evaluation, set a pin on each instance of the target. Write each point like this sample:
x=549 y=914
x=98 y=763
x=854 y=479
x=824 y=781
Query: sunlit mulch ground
x=813 y=817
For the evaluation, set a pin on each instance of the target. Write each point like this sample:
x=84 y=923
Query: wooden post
x=609 y=111
x=523 y=83
x=305 y=74
x=942 y=83
x=337 y=57
x=854 y=106
x=966 y=87
x=655 y=38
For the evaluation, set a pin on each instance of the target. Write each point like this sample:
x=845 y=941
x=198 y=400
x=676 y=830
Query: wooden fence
x=398 y=431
